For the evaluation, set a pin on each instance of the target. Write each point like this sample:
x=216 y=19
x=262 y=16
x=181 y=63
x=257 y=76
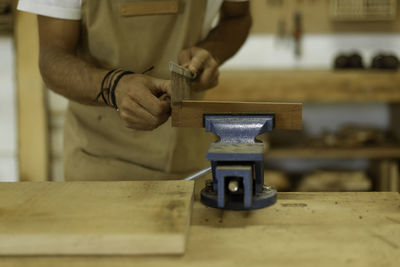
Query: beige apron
x=96 y=144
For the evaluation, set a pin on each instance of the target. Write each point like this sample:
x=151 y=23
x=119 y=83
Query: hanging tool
x=297 y=33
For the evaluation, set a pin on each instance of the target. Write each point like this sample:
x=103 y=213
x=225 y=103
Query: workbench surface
x=95 y=218
x=301 y=229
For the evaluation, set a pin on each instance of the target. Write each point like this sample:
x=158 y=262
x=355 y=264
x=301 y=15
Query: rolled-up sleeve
x=62 y=9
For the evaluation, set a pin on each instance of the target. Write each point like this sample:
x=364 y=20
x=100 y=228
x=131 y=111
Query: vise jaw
x=237 y=162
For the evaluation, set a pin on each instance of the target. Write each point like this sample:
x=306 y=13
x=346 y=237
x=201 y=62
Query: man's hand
x=220 y=44
x=137 y=96
x=141 y=101
x=199 y=60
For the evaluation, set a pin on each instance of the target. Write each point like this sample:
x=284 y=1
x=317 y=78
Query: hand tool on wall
x=297 y=33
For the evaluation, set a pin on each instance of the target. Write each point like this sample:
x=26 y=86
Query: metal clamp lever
x=198 y=174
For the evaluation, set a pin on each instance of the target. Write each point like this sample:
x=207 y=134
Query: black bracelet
x=148 y=70
x=103 y=89
x=110 y=84
x=114 y=86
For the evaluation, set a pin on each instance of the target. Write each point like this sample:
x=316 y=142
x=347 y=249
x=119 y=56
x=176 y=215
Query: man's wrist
x=212 y=49
x=108 y=87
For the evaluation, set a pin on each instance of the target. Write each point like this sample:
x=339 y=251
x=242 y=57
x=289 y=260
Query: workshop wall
x=8 y=133
x=272 y=46
x=325 y=16
x=262 y=52
x=268 y=51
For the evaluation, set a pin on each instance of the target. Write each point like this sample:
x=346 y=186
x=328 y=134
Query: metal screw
x=209 y=185
x=233 y=186
x=267 y=187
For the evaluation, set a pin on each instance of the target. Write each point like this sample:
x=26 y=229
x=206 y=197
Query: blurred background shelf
x=267 y=68
x=378 y=152
x=308 y=86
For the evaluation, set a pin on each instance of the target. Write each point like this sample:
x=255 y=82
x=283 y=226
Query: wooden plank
x=190 y=113
x=301 y=229
x=33 y=156
x=307 y=85
x=94 y=218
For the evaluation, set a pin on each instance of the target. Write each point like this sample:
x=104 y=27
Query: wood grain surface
x=301 y=229
x=94 y=218
x=190 y=112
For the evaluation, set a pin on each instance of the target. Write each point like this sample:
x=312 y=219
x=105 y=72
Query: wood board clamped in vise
x=237 y=159
x=288 y=116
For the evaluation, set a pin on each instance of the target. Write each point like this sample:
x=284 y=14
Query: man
x=81 y=41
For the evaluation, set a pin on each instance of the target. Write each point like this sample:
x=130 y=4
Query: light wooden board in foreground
x=94 y=218
x=301 y=229
x=190 y=113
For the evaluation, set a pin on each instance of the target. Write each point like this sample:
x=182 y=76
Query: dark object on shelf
x=391 y=62
x=355 y=61
x=377 y=62
x=352 y=61
x=385 y=61
x=341 y=62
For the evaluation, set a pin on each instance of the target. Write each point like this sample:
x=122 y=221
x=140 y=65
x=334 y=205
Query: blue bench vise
x=237 y=162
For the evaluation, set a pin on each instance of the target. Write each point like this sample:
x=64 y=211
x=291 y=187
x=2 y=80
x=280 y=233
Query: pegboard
x=278 y=16
x=363 y=10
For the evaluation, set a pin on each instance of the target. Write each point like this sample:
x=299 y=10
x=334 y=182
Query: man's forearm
x=70 y=76
x=229 y=35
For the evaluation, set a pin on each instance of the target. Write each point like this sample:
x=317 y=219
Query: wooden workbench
x=302 y=229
